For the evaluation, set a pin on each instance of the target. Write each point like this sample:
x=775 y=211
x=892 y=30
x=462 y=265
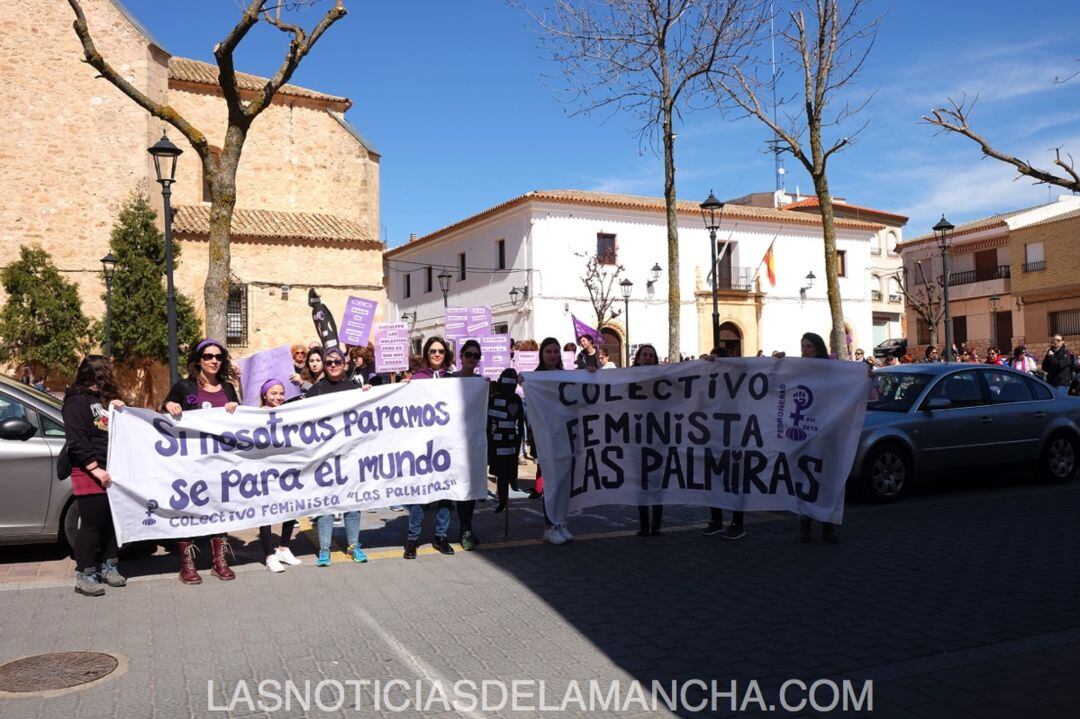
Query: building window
x=501 y=244
x=427 y=279
x=959 y=329
x=890 y=242
x=500 y=328
x=461 y=266
x=417 y=345
x=1034 y=259
x=875 y=288
x=923 y=331
x=605 y=249
x=1064 y=322
x=841 y=263
x=408 y=286
x=236 y=316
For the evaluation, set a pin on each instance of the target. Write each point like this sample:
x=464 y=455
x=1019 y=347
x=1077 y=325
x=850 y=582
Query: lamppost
x=654 y=275
x=712 y=211
x=165 y=154
x=942 y=229
x=444 y=285
x=627 y=287
x=108 y=267
x=519 y=295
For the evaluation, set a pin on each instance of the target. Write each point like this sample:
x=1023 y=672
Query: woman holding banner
x=646 y=356
x=272 y=394
x=813 y=347
x=433 y=365
x=551 y=359
x=206 y=386
x=335 y=380
x=716 y=514
x=86 y=431
x=468 y=360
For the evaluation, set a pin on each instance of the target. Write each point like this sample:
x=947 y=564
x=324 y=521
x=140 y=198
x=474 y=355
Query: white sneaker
x=273 y=564
x=553 y=536
x=285 y=555
x=561 y=529
x=517 y=494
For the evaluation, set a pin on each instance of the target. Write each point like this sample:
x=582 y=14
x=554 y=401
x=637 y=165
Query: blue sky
x=452 y=94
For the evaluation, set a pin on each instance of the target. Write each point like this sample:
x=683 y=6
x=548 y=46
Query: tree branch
x=223 y=53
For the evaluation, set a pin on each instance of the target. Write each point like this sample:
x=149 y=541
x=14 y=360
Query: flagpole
x=762 y=261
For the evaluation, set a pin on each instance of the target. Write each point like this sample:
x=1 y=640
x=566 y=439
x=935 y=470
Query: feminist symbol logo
x=150 y=507
x=802 y=398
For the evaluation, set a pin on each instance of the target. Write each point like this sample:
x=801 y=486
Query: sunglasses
x=436 y=352
x=470 y=355
x=211 y=357
x=334 y=363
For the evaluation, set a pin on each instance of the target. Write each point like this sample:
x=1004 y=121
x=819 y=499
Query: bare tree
x=923 y=294
x=219 y=172
x=649 y=58
x=829 y=46
x=954 y=118
x=600 y=280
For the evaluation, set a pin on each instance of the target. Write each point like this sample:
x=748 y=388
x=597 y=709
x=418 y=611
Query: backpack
x=63 y=463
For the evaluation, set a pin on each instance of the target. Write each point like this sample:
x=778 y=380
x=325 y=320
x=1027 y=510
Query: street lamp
x=995 y=303
x=165 y=155
x=627 y=287
x=712 y=211
x=444 y=285
x=942 y=230
x=809 y=279
x=108 y=268
x=518 y=296
x=654 y=275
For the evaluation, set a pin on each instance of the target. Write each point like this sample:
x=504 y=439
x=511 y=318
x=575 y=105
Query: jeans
x=325 y=525
x=416 y=519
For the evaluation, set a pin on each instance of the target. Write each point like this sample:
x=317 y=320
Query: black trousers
x=657 y=516
x=717 y=516
x=267 y=539
x=96 y=535
x=465 y=511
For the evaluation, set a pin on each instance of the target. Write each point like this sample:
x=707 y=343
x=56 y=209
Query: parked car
x=34 y=505
x=891 y=348
x=925 y=418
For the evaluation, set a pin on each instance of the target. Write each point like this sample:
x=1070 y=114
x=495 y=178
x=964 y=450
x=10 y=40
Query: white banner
x=212 y=472
x=744 y=434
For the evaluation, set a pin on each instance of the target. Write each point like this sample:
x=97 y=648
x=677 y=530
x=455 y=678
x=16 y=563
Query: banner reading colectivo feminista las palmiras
x=743 y=434
x=210 y=471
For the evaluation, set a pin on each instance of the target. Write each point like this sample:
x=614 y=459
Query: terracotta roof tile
x=271 y=224
x=812 y=202
x=640 y=203
x=187 y=70
x=983 y=223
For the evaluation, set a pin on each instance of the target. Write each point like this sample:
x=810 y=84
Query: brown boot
x=188 y=573
x=220 y=568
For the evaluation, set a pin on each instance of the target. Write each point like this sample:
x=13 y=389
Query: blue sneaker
x=323 y=559
x=358 y=555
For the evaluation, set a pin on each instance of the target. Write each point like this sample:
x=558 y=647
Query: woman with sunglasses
x=433 y=365
x=205 y=387
x=469 y=360
x=551 y=359
x=272 y=394
x=336 y=380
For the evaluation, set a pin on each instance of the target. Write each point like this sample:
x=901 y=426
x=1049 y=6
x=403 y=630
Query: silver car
x=34 y=505
x=924 y=418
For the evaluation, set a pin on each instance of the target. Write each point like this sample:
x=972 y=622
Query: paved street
x=958 y=602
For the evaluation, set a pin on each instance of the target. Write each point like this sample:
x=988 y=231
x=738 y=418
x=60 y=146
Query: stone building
x=307 y=185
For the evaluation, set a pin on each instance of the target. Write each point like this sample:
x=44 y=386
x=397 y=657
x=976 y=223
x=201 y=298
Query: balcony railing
x=1038 y=266
x=1001 y=272
x=894 y=298
x=875 y=250
x=875 y=295
x=735 y=279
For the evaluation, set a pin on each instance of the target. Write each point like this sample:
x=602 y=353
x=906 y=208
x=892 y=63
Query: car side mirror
x=937 y=403
x=17 y=428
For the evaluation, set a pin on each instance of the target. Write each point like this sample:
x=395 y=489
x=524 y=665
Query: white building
x=534 y=241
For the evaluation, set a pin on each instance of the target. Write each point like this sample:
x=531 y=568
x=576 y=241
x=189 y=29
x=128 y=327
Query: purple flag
x=580 y=328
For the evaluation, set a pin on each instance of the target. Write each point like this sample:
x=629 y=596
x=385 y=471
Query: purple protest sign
x=270 y=364
x=467 y=322
x=357 y=319
x=526 y=361
x=494 y=355
x=391 y=347
x=568 y=359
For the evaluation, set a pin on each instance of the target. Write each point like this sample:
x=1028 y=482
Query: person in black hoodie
x=505 y=428
x=86 y=430
x=1058 y=365
x=206 y=386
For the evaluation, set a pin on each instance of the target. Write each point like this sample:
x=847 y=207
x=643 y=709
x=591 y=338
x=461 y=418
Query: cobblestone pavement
x=955 y=604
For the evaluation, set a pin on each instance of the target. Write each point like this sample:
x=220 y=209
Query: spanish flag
x=770 y=264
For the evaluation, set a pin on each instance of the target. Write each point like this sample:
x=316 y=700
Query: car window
x=960 y=388
x=10 y=408
x=1039 y=390
x=51 y=428
x=896 y=391
x=1006 y=387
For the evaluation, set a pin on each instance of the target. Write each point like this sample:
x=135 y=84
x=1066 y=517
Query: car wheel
x=69 y=524
x=886 y=473
x=1060 y=458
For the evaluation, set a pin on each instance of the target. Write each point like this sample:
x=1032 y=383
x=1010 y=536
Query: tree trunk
x=674 y=296
x=222 y=203
x=837 y=333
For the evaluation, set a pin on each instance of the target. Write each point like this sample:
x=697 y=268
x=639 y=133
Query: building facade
x=307 y=184
x=538 y=244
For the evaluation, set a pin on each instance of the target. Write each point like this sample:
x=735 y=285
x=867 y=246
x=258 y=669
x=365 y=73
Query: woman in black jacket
x=86 y=430
x=207 y=385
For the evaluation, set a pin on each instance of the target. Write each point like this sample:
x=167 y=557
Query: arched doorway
x=731 y=338
x=613 y=344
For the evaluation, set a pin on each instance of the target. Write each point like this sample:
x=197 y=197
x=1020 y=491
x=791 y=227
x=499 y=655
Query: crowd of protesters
x=212 y=380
